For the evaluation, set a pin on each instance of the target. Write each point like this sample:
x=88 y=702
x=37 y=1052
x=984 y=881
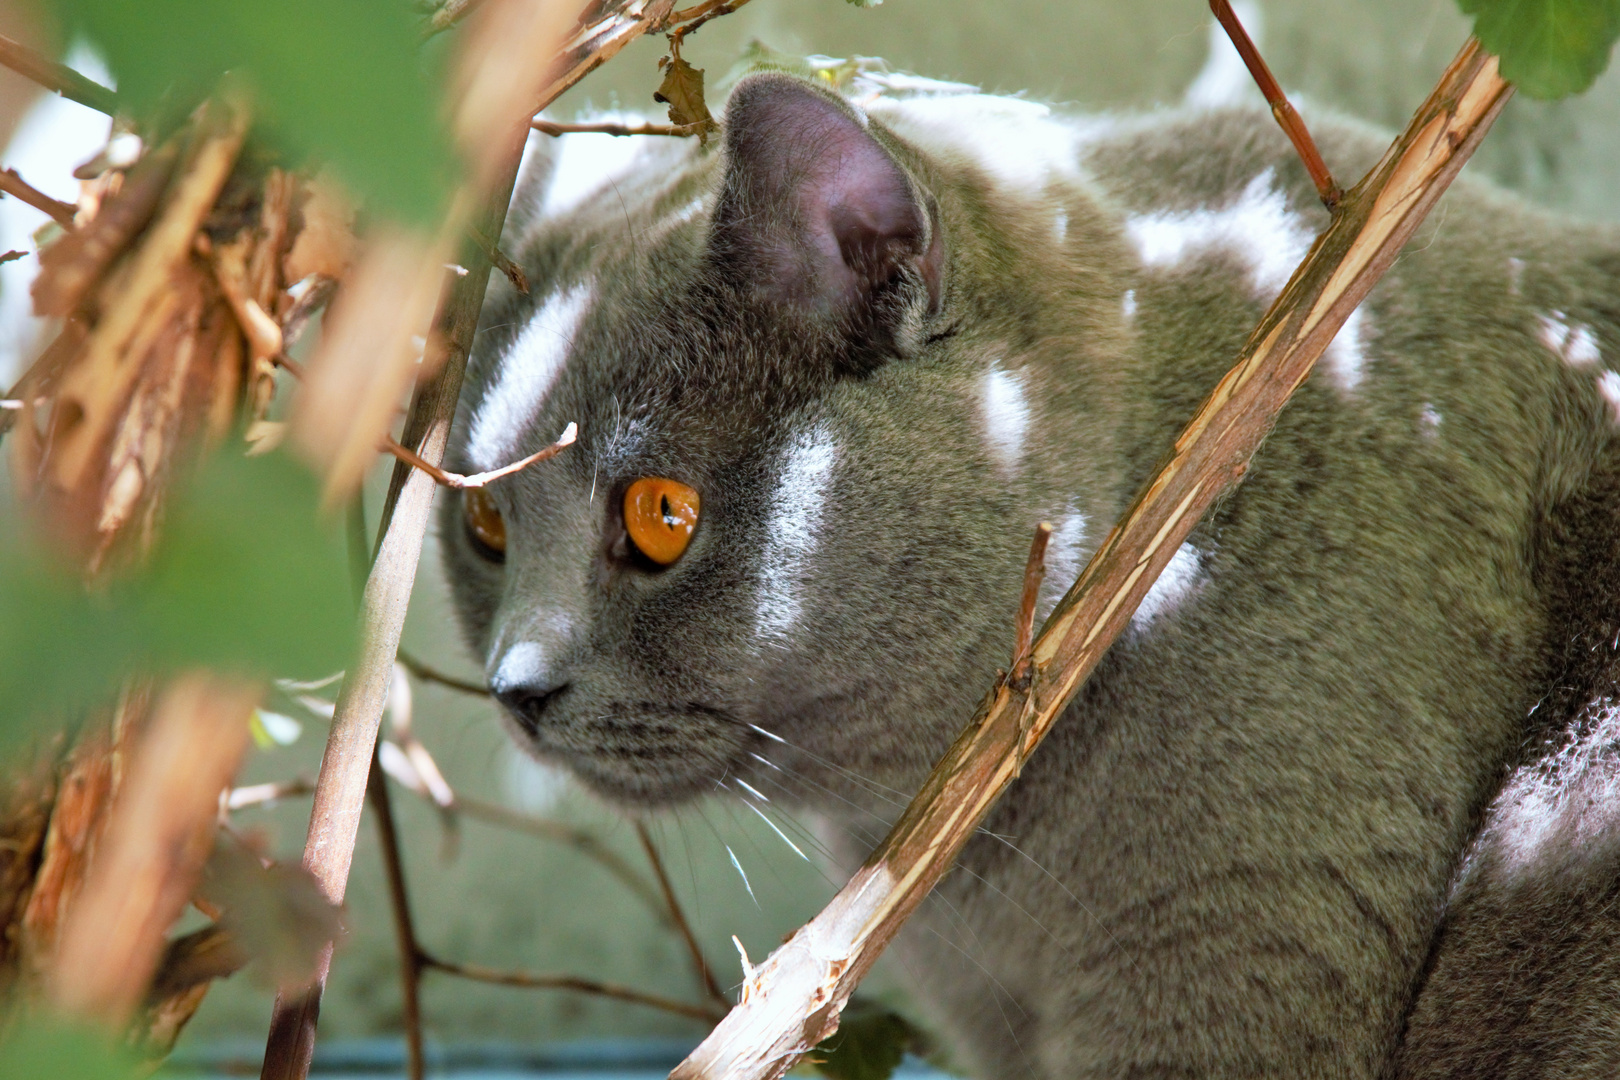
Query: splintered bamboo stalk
x=793 y=1000
x=346 y=765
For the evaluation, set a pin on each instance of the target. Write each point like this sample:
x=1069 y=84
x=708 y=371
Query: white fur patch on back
x=586 y=161
x=1345 y=356
x=1127 y=304
x=1260 y=229
x=1062 y=561
x=527 y=372
x=1608 y=384
x=1224 y=79
x=1017 y=142
x=1429 y=420
x=1172 y=587
x=1257 y=226
x=1577 y=344
x=1561 y=804
x=1005 y=410
x=793 y=528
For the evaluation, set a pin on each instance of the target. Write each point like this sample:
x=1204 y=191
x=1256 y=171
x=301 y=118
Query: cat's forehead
x=635 y=347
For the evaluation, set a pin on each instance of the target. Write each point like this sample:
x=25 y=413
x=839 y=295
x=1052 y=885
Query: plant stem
x=20 y=189
x=700 y=963
x=434 y=675
x=346 y=765
x=480 y=973
x=1281 y=108
x=59 y=77
x=546 y=127
x=410 y=956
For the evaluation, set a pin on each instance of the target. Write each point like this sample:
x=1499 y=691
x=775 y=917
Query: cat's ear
x=815 y=212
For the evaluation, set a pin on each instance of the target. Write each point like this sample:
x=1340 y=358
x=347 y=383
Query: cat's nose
x=526 y=685
x=527 y=702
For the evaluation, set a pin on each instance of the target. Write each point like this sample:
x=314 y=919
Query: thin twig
x=478 y=480
x=447 y=15
x=581 y=840
x=434 y=675
x=700 y=963
x=410 y=955
x=243 y=798
x=1281 y=108
x=546 y=127
x=479 y=973
x=501 y=261
x=793 y=1001
x=59 y=77
x=690 y=19
x=15 y=186
x=1034 y=572
x=12 y=256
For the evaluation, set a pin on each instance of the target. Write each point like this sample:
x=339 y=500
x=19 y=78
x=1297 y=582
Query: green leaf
x=338 y=82
x=868 y=1045
x=1549 y=48
x=33 y=1050
x=243 y=579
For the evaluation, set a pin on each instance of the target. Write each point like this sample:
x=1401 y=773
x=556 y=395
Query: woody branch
x=793 y=1000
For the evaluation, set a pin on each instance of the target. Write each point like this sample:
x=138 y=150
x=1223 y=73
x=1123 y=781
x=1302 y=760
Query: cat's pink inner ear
x=811 y=195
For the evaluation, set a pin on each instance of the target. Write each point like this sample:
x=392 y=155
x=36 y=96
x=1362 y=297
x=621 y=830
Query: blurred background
x=505 y=899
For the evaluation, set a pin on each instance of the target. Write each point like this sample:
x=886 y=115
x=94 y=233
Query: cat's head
x=808 y=459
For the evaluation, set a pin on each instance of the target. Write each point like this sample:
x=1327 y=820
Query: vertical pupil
x=663 y=508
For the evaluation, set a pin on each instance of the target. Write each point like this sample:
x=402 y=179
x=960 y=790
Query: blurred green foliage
x=1549 y=48
x=244 y=579
x=35 y=1051
x=335 y=82
x=869 y=1044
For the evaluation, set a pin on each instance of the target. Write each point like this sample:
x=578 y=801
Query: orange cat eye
x=484 y=520
x=660 y=515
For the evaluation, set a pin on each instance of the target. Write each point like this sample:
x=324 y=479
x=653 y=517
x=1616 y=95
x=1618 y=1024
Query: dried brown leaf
x=325 y=245
x=86 y=787
x=682 y=91
x=356 y=381
x=276 y=915
x=158 y=837
x=69 y=267
x=95 y=391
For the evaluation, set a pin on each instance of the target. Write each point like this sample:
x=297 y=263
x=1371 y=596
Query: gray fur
x=1242 y=850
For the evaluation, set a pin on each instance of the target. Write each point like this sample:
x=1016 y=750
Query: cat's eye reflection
x=484 y=523
x=659 y=516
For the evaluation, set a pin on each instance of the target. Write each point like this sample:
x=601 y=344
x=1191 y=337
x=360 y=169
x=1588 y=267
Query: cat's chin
x=647 y=775
x=642 y=792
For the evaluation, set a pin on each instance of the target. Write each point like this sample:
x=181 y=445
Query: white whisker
x=775 y=830
x=873 y=786
x=742 y=875
x=746 y=786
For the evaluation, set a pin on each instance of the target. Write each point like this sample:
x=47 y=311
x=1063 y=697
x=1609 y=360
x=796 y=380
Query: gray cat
x=1337 y=804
